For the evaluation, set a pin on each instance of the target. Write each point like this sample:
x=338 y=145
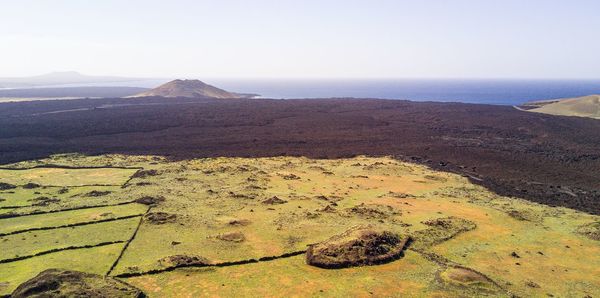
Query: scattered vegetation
x=590 y=230
x=210 y=219
x=440 y=230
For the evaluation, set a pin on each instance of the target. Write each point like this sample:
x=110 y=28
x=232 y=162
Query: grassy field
x=66 y=177
x=586 y=106
x=214 y=219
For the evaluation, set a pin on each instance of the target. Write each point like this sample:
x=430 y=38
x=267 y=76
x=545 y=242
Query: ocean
x=496 y=92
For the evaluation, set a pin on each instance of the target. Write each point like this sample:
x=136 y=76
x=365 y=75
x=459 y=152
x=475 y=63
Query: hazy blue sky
x=279 y=38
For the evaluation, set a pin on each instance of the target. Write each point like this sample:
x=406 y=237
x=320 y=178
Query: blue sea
x=497 y=92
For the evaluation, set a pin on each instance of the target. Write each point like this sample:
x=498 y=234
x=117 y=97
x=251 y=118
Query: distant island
x=191 y=89
x=60 y=78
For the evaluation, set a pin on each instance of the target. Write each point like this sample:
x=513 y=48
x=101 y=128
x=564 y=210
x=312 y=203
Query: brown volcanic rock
x=356 y=247
x=191 y=89
x=542 y=158
x=65 y=283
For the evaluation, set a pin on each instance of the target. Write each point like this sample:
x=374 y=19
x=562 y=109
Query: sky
x=302 y=39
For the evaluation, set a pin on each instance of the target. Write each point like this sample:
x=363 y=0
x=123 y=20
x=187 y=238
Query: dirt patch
x=591 y=230
x=372 y=211
x=65 y=283
x=524 y=215
x=290 y=177
x=239 y=222
x=150 y=200
x=357 y=247
x=464 y=277
x=328 y=209
x=7 y=186
x=398 y=195
x=31 y=186
x=436 y=178
x=182 y=260
x=274 y=201
x=97 y=193
x=159 y=218
x=441 y=229
x=241 y=196
x=232 y=237
x=332 y=199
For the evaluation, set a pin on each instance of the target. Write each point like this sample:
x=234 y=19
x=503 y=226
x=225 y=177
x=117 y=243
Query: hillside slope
x=587 y=106
x=191 y=89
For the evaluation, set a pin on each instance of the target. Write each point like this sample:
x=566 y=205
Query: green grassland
x=30 y=243
x=467 y=241
x=71 y=217
x=66 y=177
x=57 y=198
x=93 y=260
x=586 y=106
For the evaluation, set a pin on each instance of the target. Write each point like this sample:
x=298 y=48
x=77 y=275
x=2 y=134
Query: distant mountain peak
x=191 y=88
x=62 y=74
x=70 y=72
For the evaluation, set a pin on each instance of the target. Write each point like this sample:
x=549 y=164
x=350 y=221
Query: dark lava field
x=547 y=159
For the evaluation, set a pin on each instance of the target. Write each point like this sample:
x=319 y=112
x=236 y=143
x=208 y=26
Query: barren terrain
x=550 y=159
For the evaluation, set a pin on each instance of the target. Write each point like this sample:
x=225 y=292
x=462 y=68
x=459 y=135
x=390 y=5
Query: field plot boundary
x=9 y=215
x=223 y=264
x=85 y=223
x=75 y=186
x=112 y=267
x=53 y=166
x=15 y=207
x=59 y=250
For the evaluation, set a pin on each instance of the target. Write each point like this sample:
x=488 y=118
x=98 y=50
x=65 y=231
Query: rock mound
x=357 y=247
x=144 y=173
x=183 y=260
x=274 y=201
x=150 y=200
x=66 y=283
x=468 y=279
x=440 y=230
x=591 y=230
x=190 y=89
x=31 y=185
x=372 y=211
x=159 y=218
x=232 y=237
x=6 y=186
